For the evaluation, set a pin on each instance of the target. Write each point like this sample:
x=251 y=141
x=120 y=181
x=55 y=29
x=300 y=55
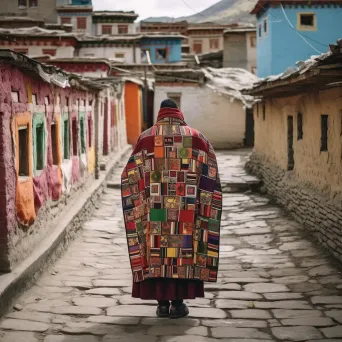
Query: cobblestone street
x=274 y=284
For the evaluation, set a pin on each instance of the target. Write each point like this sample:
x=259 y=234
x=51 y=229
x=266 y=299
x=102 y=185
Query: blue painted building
x=162 y=48
x=74 y=3
x=283 y=27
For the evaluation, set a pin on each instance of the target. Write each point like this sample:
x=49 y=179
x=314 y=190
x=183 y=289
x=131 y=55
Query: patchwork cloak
x=172 y=203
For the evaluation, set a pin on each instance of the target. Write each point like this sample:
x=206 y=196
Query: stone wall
x=312 y=190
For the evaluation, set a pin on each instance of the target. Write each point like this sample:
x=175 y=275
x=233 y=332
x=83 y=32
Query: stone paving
x=274 y=284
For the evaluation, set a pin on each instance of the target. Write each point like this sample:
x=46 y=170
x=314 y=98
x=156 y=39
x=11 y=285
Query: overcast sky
x=153 y=8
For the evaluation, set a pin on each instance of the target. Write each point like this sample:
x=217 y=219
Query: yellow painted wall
x=317 y=170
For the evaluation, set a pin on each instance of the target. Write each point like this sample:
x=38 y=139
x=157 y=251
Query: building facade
x=114 y=23
x=37 y=9
x=289 y=32
x=180 y=27
x=36 y=42
x=162 y=48
x=48 y=149
x=220 y=117
x=124 y=49
x=298 y=145
x=240 y=50
x=78 y=14
x=205 y=38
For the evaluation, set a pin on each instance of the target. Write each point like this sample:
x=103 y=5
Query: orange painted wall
x=134 y=115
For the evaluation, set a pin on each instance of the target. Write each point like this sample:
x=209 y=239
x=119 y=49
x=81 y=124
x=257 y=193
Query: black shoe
x=179 y=312
x=163 y=311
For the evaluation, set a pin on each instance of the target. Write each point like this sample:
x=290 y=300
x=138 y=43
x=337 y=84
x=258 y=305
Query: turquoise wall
x=282 y=47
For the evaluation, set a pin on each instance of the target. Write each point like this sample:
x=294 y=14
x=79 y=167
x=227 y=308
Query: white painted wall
x=213 y=114
x=109 y=52
x=115 y=28
x=62 y=52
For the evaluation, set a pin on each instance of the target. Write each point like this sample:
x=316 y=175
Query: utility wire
x=204 y=16
x=292 y=27
x=286 y=17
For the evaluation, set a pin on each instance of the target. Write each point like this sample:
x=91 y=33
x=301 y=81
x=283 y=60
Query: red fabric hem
x=168 y=289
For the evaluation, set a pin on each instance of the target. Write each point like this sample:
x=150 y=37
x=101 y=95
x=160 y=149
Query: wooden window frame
x=324 y=133
x=105 y=27
x=126 y=27
x=215 y=46
x=300 y=133
x=166 y=54
x=253 y=41
x=265 y=26
x=83 y=20
x=66 y=20
x=24 y=160
x=197 y=42
x=301 y=27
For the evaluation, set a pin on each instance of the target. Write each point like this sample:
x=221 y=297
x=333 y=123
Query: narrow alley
x=274 y=284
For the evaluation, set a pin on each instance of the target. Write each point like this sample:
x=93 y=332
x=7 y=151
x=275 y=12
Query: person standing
x=172 y=206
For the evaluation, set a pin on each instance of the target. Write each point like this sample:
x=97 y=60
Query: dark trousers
x=176 y=303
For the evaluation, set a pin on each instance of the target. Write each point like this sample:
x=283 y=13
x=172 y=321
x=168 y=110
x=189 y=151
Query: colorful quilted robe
x=172 y=203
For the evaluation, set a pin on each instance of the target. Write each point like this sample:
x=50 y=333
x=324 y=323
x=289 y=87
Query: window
x=107 y=29
x=265 y=26
x=54 y=143
x=257 y=109
x=264 y=111
x=89 y=133
x=15 y=96
x=122 y=29
x=33 y=3
x=74 y=137
x=259 y=31
x=214 y=43
x=324 y=132
x=300 y=126
x=67 y=101
x=83 y=145
x=81 y=23
x=161 y=54
x=253 y=41
x=307 y=22
x=22 y=3
x=23 y=151
x=66 y=139
x=51 y=52
x=23 y=51
x=65 y=20
x=197 y=46
x=120 y=55
x=175 y=97
x=145 y=56
x=40 y=147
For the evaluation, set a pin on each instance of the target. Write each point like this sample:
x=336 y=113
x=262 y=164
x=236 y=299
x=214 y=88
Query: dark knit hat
x=168 y=103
